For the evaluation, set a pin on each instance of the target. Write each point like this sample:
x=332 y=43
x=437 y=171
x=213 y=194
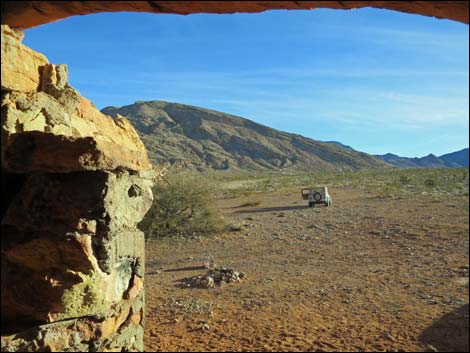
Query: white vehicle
x=316 y=196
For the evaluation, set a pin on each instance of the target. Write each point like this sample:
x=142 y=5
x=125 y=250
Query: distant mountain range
x=196 y=137
x=450 y=160
x=457 y=159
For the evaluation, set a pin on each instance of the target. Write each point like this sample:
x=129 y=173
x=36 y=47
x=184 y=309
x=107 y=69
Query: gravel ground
x=366 y=274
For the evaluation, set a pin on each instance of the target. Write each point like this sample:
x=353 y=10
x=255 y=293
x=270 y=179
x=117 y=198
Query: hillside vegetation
x=436 y=182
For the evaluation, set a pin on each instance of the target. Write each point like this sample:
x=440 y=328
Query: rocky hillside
x=195 y=137
x=340 y=145
x=457 y=159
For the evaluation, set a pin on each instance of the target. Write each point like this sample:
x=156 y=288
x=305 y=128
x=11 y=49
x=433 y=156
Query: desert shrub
x=250 y=203
x=387 y=190
x=405 y=179
x=181 y=207
x=384 y=182
x=430 y=182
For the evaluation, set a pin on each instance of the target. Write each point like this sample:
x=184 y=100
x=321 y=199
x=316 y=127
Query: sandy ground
x=366 y=274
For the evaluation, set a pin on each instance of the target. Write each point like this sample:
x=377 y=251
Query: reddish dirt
x=366 y=274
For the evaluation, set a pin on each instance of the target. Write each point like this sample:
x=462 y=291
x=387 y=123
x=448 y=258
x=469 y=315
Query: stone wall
x=75 y=183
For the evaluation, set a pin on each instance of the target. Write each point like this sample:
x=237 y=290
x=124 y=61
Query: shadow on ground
x=189 y=268
x=180 y=269
x=184 y=283
x=449 y=333
x=273 y=209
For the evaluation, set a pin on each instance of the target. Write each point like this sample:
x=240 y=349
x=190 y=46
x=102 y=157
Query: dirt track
x=366 y=274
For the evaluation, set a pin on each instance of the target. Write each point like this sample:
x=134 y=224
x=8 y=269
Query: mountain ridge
x=195 y=137
x=457 y=159
x=192 y=136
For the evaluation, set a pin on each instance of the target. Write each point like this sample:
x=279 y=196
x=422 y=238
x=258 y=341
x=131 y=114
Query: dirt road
x=366 y=274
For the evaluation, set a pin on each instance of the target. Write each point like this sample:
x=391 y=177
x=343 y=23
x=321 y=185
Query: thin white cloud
x=384 y=35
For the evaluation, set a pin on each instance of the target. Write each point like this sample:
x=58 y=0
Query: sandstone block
x=34 y=151
x=119 y=245
x=54 y=78
x=111 y=133
x=60 y=293
x=21 y=66
x=95 y=203
x=39 y=133
x=34 y=111
x=36 y=97
x=77 y=335
x=52 y=253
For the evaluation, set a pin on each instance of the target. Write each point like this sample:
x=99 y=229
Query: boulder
x=120 y=330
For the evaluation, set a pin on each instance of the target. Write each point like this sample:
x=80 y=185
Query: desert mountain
x=195 y=137
x=457 y=159
x=340 y=145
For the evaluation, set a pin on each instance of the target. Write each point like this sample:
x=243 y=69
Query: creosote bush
x=430 y=182
x=250 y=203
x=405 y=179
x=182 y=206
x=382 y=182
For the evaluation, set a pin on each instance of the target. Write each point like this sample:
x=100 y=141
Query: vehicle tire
x=311 y=204
x=317 y=196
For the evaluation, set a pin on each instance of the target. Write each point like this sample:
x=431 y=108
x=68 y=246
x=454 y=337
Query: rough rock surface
x=120 y=330
x=215 y=276
x=36 y=124
x=42 y=114
x=75 y=183
x=25 y=14
x=21 y=65
x=107 y=209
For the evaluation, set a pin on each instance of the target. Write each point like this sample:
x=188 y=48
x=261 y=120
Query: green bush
x=430 y=182
x=181 y=207
x=384 y=182
x=405 y=179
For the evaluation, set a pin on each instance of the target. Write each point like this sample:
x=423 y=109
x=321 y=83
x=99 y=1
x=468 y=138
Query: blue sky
x=377 y=80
